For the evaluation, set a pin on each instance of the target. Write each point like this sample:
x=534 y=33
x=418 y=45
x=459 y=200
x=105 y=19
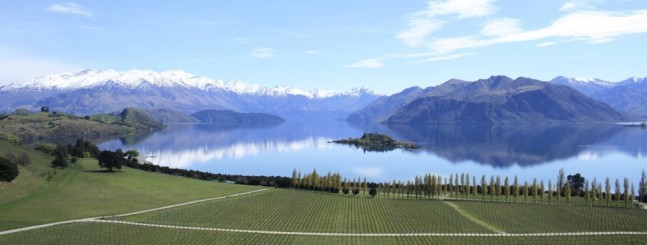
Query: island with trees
x=377 y=143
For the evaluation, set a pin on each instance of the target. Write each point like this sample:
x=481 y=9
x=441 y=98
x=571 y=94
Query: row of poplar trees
x=464 y=186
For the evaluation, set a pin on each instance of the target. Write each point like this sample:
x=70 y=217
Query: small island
x=377 y=143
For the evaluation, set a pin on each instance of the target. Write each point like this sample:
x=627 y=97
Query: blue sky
x=380 y=44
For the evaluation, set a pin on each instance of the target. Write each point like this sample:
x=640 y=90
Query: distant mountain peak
x=146 y=79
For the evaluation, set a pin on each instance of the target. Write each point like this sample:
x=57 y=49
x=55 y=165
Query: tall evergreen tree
x=475 y=187
x=594 y=193
x=498 y=187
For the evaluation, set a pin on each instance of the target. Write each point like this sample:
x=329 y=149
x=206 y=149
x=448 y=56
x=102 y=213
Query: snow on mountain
x=582 y=81
x=634 y=80
x=146 y=79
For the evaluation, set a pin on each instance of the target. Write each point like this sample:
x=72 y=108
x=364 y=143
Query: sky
x=383 y=45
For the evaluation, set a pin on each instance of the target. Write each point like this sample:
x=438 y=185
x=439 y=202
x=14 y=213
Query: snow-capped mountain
x=99 y=91
x=586 y=86
x=629 y=95
x=146 y=79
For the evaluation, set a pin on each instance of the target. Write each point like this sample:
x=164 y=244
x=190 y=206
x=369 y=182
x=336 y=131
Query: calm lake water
x=595 y=151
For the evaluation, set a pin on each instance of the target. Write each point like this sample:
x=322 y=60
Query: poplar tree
x=608 y=191
x=468 y=187
x=550 y=191
x=295 y=180
x=631 y=197
x=394 y=188
x=587 y=193
x=492 y=188
x=626 y=196
x=594 y=192
x=456 y=186
x=483 y=186
x=541 y=191
x=534 y=190
x=462 y=185
x=617 y=195
x=365 y=186
x=516 y=189
x=498 y=187
x=475 y=187
x=449 y=187
x=525 y=191
x=506 y=188
x=642 y=187
x=567 y=192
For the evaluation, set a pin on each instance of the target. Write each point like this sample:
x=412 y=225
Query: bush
x=46 y=148
x=8 y=170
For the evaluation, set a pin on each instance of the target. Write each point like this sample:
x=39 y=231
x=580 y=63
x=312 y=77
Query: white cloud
x=501 y=27
x=262 y=53
x=70 y=8
x=573 y=5
x=368 y=63
x=313 y=52
x=546 y=44
x=426 y=22
x=445 y=57
x=590 y=26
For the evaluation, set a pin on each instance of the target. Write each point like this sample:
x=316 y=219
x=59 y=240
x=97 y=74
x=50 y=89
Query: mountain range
x=172 y=96
x=96 y=91
x=629 y=95
x=496 y=100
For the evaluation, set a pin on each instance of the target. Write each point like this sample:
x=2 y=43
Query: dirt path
x=473 y=218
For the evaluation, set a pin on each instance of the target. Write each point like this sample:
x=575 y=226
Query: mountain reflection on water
x=496 y=146
x=503 y=146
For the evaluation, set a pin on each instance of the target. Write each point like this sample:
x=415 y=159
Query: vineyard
x=103 y=233
x=283 y=216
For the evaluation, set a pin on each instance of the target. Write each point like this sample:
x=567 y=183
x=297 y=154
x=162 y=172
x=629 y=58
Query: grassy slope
x=290 y=210
x=93 y=233
x=31 y=177
x=287 y=210
x=83 y=191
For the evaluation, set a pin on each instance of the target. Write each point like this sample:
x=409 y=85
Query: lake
x=528 y=151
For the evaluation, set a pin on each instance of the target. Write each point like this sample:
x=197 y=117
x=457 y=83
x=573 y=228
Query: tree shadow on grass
x=103 y=171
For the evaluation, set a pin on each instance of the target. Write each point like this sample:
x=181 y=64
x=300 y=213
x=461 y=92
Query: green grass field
x=100 y=233
x=86 y=191
x=304 y=211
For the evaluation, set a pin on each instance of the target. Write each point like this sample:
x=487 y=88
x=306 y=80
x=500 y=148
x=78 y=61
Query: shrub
x=8 y=170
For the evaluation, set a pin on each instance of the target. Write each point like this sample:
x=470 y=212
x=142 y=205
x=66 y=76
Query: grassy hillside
x=85 y=191
x=50 y=127
x=31 y=177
